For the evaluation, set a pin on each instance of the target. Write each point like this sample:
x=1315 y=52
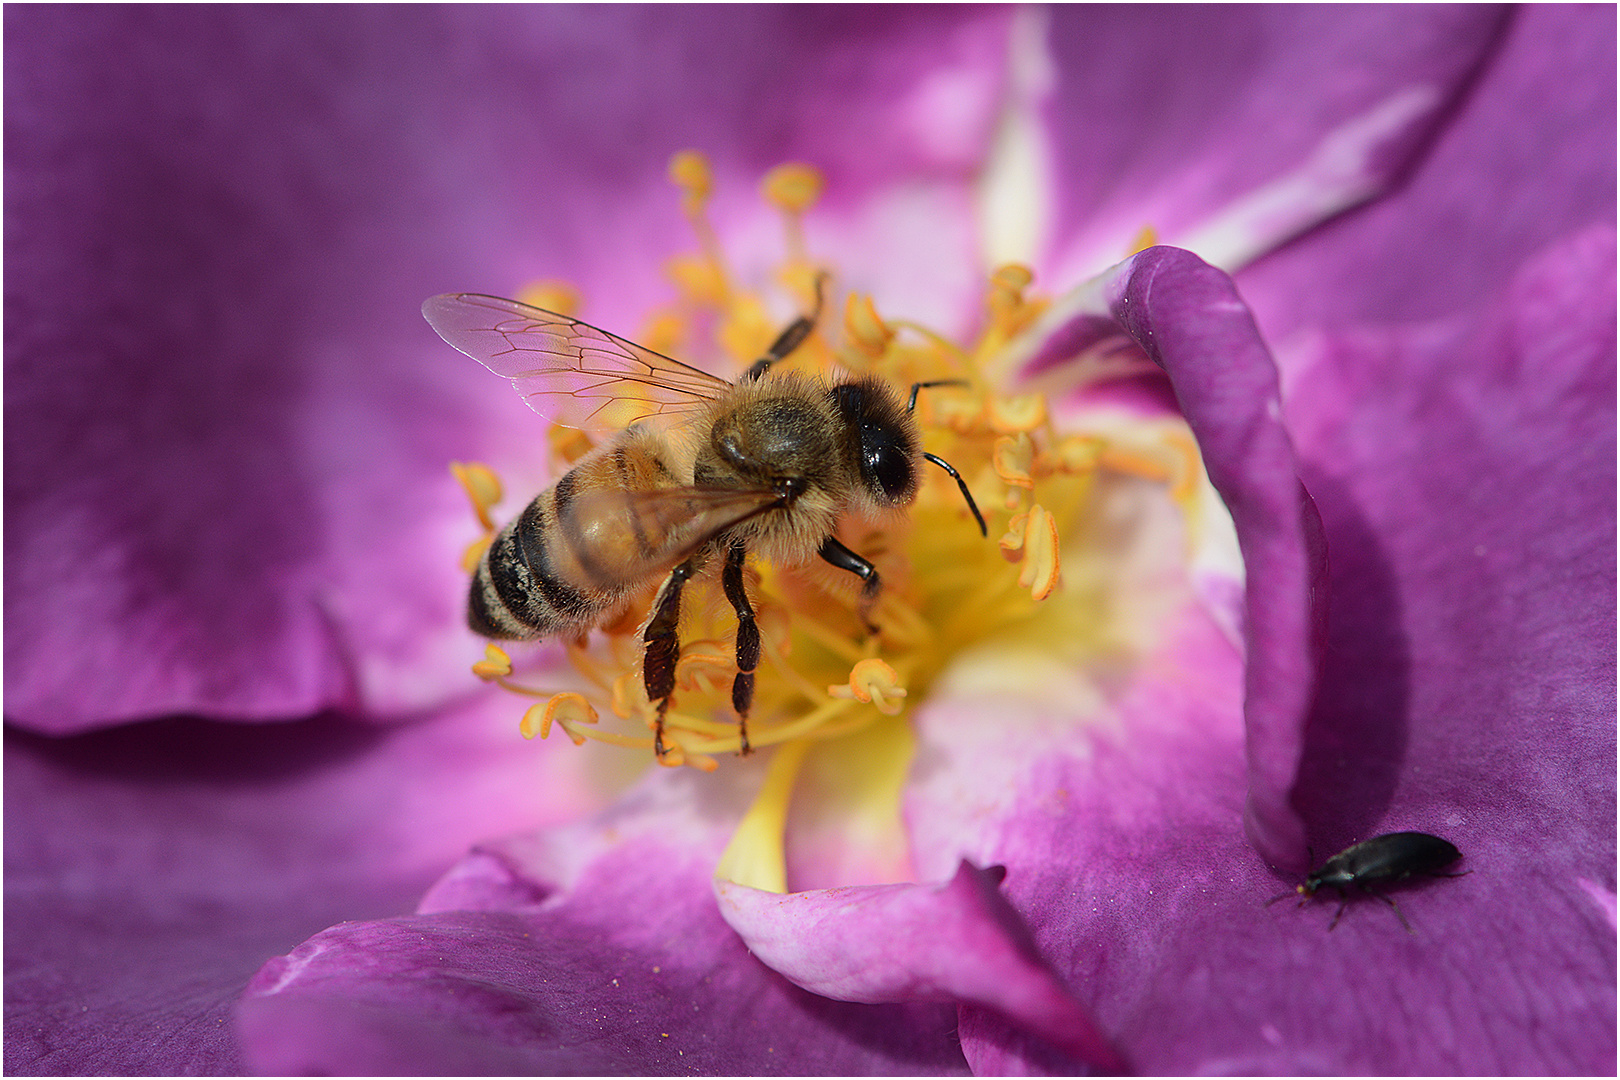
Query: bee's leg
x=742 y=687
x=843 y=558
x=787 y=340
x=662 y=647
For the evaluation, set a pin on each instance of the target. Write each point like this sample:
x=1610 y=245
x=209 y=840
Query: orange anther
x=871 y=681
x=793 y=187
x=863 y=327
x=1042 y=568
x=690 y=171
x=1014 y=460
x=1010 y=415
x=565 y=709
x=495 y=664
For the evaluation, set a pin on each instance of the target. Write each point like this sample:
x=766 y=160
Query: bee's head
x=884 y=439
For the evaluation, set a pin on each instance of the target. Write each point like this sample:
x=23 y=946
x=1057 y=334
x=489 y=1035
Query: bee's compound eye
x=888 y=448
x=887 y=465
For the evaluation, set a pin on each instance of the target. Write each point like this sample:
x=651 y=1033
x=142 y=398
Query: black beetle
x=1389 y=858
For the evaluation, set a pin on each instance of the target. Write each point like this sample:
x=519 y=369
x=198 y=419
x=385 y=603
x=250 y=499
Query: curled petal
x=960 y=942
x=1187 y=317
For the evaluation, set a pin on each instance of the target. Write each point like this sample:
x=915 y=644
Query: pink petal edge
x=958 y=941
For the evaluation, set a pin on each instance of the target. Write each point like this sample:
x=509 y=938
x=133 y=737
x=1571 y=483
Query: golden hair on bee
x=767 y=464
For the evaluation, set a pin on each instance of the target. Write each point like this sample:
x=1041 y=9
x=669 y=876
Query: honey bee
x=699 y=469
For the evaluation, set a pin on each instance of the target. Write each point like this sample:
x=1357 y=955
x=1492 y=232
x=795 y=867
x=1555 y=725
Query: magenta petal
x=621 y=966
x=151 y=869
x=1188 y=318
x=1164 y=115
x=227 y=428
x=1466 y=470
x=1527 y=157
x=955 y=942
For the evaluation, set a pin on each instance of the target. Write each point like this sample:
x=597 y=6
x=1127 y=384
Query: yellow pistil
x=755 y=857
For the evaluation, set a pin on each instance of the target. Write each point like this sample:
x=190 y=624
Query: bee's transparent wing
x=569 y=371
x=662 y=527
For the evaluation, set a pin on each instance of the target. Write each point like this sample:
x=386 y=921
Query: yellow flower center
x=1046 y=490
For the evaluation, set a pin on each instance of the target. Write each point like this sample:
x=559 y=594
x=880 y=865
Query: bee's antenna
x=966 y=494
x=911 y=403
x=911 y=406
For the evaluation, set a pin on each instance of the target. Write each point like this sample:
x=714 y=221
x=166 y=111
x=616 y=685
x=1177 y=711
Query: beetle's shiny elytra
x=1383 y=860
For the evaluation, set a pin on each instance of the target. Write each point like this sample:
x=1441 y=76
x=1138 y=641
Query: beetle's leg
x=1393 y=906
x=843 y=558
x=742 y=687
x=662 y=647
x=1344 y=902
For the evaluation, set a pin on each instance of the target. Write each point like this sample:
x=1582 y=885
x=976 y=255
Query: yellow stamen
x=663 y=333
x=704 y=671
x=1145 y=239
x=875 y=682
x=864 y=330
x=1010 y=311
x=1042 y=568
x=495 y=664
x=565 y=709
x=1014 y=460
x=755 y=856
x=628 y=692
x=569 y=444
x=794 y=187
x=699 y=279
x=803 y=280
x=474 y=553
x=1011 y=415
x=747 y=329
x=963 y=414
x=1076 y=454
x=482 y=486
x=689 y=169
